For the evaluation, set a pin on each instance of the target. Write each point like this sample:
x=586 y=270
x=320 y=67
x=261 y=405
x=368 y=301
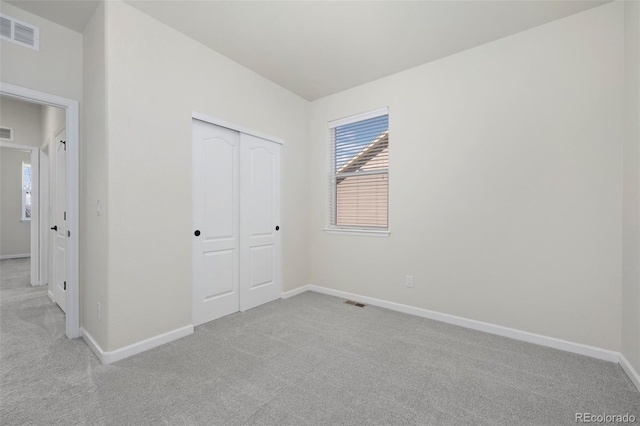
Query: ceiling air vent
x=19 y=32
x=6 y=134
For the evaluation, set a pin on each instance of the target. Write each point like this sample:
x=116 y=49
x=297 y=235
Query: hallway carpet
x=307 y=360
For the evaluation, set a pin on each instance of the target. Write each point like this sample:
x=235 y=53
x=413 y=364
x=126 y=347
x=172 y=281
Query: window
x=26 y=191
x=359 y=172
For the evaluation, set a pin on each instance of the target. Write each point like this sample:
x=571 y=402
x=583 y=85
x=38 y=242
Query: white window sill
x=363 y=232
x=25 y=220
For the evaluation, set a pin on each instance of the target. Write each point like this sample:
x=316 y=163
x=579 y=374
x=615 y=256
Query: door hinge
x=65 y=144
x=68 y=233
x=65 y=215
x=65 y=285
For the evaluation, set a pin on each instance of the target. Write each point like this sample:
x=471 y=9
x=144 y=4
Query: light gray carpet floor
x=310 y=359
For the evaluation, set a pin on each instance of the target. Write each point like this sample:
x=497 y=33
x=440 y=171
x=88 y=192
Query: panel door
x=260 y=258
x=60 y=222
x=215 y=222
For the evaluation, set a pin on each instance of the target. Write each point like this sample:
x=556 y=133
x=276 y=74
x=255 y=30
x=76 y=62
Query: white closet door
x=260 y=258
x=215 y=220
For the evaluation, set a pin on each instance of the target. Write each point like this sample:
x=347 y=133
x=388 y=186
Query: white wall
x=631 y=205
x=93 y=185
x=55 y=69
x=156 y=77
x=25 y=119
x=15 y=233
x=505 y=183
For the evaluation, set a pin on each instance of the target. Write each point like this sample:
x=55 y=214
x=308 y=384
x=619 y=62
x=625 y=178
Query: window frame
x=332 y=227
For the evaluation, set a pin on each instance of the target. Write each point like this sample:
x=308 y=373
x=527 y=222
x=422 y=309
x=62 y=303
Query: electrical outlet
x=409 y=281
x=99 y=311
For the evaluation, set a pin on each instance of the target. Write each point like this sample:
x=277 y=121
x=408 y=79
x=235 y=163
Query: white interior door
x=260 y=258
x=59 y=222
x=215 y=219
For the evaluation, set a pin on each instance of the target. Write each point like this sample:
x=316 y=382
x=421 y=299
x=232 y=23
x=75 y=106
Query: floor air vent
x=359 y=305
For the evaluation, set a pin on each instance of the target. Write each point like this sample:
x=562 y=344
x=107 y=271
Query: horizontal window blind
x=359 y=171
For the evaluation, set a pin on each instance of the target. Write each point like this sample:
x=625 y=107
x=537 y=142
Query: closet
x=236 y=217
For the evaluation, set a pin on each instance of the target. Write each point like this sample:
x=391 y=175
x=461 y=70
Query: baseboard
x=564 y=345
x=50 y=294
x=108 y=357
x=91 y=342
x=14 y=256
x=631 y=372
x=294 y=292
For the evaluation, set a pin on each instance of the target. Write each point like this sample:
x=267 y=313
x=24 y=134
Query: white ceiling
x=316 y=48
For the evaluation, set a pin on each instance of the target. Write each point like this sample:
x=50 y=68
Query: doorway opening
x=50 y=191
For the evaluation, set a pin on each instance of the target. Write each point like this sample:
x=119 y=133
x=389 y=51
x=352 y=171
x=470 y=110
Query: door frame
x=230 y=126
x=44 y=214
x=34 y=223
x=71 y=106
